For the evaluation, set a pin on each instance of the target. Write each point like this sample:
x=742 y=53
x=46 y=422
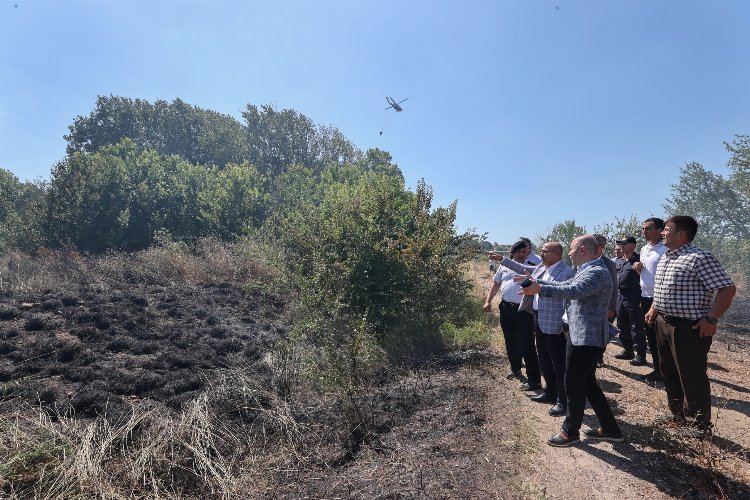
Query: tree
x=625 y=226
x=21 y=212
x=278 y=139
x=721 y=205
x=199 y=136
x=564 y=233
x=120 y=196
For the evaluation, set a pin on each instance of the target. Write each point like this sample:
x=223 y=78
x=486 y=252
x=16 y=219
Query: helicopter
x=395 y=105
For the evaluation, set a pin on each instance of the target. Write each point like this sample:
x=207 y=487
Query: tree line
x=366 y=258
x=720 y=204
x=134 y=170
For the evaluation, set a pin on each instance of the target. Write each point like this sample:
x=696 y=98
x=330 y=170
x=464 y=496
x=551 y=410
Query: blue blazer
x=588 y=295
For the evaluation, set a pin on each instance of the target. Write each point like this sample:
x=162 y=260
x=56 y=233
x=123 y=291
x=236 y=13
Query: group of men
x=557 y=320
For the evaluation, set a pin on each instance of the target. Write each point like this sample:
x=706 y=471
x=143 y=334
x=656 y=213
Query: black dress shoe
x=638 y=360
x=513 y=374
x=651 y=376
x=528 y=386
x=615 y=437
x=560 y=440
x=625 y=354
x=543 y=398
x=558 y=410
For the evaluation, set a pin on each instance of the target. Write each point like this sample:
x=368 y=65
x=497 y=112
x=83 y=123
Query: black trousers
x=651 y=333
x=551 y=350
x=581 y=384
x=631 y=323
x=518 y=332
x=683 y=356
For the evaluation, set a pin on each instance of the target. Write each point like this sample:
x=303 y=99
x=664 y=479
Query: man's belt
x=508 y=302
x=676 y=320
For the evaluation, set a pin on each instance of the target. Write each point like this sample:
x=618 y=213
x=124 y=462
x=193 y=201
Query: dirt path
x=653 y=462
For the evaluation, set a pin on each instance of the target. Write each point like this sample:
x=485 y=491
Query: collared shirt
x=586 y=264
x=686 y=280
x=628 y=281
x=533 y=259
x=508 y=288
x=547 y=276
x=650 y=255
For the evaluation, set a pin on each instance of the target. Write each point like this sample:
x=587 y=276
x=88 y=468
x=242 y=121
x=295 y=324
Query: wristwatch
x=711 y=320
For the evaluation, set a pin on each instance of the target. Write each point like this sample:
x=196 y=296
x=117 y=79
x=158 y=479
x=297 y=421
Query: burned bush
x=35 y=323
x=7 y=313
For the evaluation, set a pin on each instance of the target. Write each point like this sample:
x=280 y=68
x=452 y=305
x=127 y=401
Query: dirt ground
x=652 y=462
x=453 y=427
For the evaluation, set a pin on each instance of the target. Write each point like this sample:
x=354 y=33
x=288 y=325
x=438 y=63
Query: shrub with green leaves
x=375 y=252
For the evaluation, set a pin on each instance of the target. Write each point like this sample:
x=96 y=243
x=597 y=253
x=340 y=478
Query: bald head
x=552 y=252
x=584 y=249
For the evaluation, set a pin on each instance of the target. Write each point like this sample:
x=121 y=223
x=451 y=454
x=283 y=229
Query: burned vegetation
x=94 y=351
x=178 y=373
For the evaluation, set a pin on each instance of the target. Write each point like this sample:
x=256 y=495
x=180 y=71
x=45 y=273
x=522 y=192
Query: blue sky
x=525 y=112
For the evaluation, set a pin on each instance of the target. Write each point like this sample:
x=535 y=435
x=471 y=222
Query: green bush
x=377 y=253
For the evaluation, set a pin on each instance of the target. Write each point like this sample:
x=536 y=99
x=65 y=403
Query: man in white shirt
x=517 y=326
x=532 y=259
x=650 y=255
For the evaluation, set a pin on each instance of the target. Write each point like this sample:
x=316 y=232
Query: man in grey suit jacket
x=587 y=332
x=548 y=325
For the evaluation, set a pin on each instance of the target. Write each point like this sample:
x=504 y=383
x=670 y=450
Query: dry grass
x=210 y=261
x=150 y=454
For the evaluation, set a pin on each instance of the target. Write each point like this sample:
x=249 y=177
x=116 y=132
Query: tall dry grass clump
x=152 y=453
x=209 y=261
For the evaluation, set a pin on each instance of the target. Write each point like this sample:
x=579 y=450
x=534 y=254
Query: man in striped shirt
x=691 y=292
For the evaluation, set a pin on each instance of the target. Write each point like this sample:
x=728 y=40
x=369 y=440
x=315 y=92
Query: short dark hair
x=518 y=245
x=528 y=241
x=590 y=242
x=657 y=222
x=600 y=239
x=685 y=223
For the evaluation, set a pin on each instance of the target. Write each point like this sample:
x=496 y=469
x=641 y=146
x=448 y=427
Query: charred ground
x=93 y=351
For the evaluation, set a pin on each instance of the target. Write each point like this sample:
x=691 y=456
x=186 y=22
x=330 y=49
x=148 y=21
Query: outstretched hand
x=532 y=289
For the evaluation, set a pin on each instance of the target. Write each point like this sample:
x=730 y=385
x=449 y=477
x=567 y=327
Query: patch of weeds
x=477 y=334
x=25 y=463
